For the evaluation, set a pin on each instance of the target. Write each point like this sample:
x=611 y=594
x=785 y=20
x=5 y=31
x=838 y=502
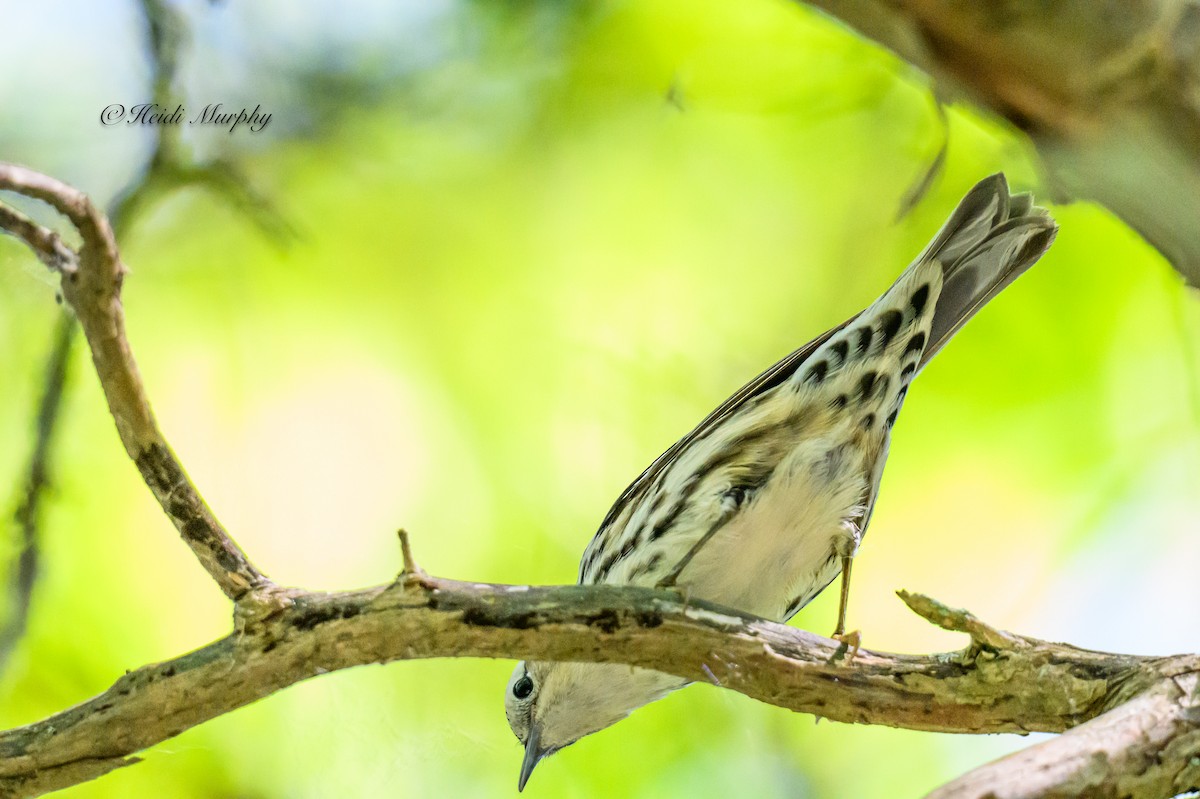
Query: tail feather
x=988 y=242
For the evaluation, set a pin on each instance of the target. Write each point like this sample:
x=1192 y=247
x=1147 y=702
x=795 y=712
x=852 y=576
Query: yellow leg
x=840 y=630
x=850 y=641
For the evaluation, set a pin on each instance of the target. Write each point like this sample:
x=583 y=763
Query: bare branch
x=170 y=168
x=1039 y=687
x=1108 y=92
x=933 y=170
x=93 y=292
x=45 y=243
x=166 y=170
x=58 y=257
x=1146 y=748
x=29 y=510
x=960 y=621
x=413 y=573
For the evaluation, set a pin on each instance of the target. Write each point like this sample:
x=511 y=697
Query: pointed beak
x=533 y=753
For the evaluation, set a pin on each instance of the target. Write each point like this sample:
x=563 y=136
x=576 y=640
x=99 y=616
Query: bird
x=765 y=502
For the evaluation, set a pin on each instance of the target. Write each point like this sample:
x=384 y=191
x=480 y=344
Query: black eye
x=523 y=687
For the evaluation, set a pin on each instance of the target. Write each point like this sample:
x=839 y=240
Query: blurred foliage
x=540 y=241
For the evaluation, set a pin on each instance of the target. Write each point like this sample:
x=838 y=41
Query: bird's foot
x=848 y=646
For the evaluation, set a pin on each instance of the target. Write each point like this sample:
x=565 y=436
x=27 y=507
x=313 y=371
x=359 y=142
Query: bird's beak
x=533 y=753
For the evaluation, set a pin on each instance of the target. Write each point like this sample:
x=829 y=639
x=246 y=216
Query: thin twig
x=917 y=191
x=169 y=167
x=28 y=515
x=959 y=621
x=61 y=259
x=406 y=556
x=45 y=243
x=1189 y=351
x=412 y=573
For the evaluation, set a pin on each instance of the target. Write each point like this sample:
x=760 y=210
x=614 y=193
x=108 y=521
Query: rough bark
x=1024 y=686
x=91 y=284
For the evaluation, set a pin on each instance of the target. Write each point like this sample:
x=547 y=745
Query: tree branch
x=45 y=244
x=1145 y=748
x=169 y=166
x=167 y=169
x=1035 y=686
x=1001 y=683
x=91 y=284
x=29 y=510
x=1108 y=92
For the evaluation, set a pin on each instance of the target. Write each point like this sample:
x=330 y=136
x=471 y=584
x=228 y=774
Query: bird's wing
x=766 y=381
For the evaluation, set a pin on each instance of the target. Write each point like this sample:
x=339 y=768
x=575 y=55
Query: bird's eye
x=523 y=687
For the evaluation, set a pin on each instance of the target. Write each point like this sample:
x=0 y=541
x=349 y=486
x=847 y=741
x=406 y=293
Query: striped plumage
x=765 y=501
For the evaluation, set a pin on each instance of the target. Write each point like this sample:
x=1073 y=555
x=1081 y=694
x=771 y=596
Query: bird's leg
x=840 y=630
x=851 y=640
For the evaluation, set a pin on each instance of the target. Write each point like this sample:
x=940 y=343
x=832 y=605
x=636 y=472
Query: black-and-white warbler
x=766 y=501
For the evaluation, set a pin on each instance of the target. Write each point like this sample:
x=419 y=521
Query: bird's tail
x=988 y=242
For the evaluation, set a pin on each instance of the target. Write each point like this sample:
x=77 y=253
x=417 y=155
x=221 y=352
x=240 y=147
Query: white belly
x=786 y=545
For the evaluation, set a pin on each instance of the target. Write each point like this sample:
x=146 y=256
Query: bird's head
x=552 y=705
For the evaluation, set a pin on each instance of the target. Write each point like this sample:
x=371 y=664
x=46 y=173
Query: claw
x=849 y=642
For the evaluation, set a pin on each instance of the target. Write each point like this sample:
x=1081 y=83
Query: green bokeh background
x=538 y=242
